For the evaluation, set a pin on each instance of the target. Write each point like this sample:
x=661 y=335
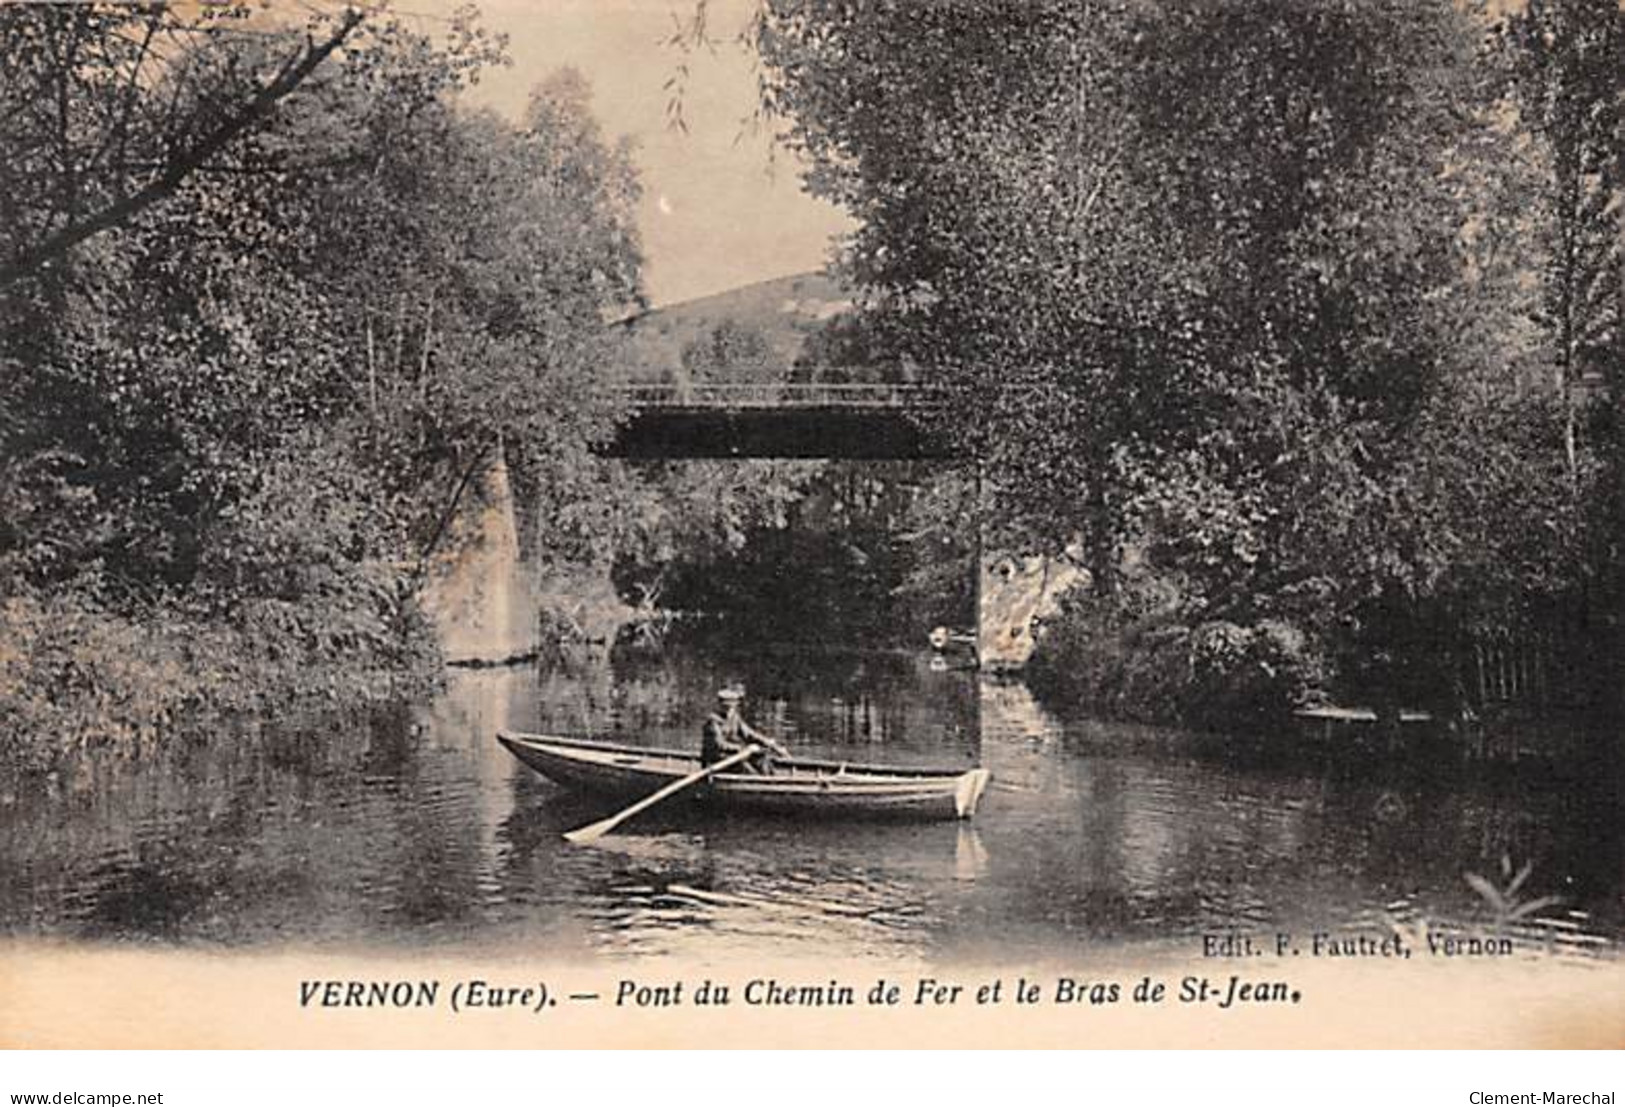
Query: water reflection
x=414 y=828
x=880 y=705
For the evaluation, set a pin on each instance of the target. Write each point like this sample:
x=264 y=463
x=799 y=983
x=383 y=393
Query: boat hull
x=798 y=787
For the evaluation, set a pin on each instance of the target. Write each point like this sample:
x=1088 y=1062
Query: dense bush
x=1110 y=655
x=75 y=676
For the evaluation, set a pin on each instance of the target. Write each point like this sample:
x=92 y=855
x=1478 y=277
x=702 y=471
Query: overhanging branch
x=288 y=78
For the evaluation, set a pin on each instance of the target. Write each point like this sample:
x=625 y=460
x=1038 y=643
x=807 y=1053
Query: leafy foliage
x=244 y=404
x=1240 y=296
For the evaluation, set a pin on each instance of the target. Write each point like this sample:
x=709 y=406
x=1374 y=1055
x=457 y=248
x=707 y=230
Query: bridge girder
x=807 y=431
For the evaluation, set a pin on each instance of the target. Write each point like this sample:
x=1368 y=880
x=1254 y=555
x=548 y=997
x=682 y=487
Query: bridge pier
x=479 y=593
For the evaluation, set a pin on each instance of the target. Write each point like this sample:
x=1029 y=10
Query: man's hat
x=730 y=695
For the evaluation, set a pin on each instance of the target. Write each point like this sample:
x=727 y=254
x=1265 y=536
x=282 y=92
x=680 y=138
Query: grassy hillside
x=784 y=311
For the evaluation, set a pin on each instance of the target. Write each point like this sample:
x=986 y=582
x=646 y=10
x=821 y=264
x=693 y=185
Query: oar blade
x=592 y=833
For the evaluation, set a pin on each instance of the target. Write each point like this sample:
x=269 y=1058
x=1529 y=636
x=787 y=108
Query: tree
x=1565 y=66
x=1237 y=295
x=370 y=280
x=1141 y=256
x=165 y=361
x=1562 y=63
x=659 y=522
x=472 y=264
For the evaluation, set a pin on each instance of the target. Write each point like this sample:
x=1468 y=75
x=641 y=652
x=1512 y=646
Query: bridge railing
x=775 y=395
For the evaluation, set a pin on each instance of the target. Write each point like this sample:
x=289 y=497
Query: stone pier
x=480 y=594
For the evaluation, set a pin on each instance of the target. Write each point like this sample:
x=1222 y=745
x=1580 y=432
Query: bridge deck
x=780 y=396
x=858 y=421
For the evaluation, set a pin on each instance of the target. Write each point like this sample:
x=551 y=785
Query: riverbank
x=76 y=676
x=1247 y=686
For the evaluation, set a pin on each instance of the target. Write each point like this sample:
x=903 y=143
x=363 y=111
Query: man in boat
x=726 y=732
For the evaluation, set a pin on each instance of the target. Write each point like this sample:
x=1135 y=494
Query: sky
x=719 y=209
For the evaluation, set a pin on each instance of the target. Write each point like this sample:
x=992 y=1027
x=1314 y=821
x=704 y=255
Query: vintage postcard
x=701 y=523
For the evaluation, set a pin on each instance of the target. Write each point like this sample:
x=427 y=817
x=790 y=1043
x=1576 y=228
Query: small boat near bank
x=796 y=786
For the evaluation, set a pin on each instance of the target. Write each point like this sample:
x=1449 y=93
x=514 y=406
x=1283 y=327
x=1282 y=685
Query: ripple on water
x=1092 y=834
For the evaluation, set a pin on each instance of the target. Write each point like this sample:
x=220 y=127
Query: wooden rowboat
x=795 y=786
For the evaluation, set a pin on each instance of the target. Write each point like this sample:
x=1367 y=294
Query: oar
x=599 y=829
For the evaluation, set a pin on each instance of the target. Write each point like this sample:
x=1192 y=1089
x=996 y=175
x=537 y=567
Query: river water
x=412 y=829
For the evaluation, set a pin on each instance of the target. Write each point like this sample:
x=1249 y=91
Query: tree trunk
x=1569 y=205
x=1615 y=382
x=423 y=359
x=372 y=373
x=400 y=334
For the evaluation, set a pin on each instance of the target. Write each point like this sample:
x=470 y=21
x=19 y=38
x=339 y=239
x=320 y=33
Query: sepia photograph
x=783 y=523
